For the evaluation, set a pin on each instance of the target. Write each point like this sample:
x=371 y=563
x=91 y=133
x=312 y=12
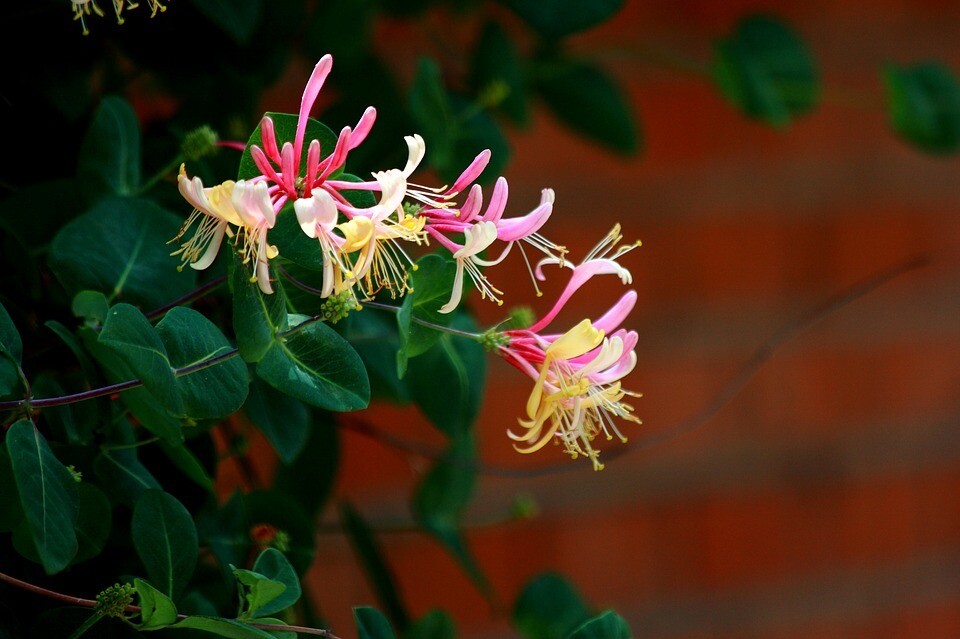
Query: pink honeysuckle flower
x=577 y=374
x=242 y=204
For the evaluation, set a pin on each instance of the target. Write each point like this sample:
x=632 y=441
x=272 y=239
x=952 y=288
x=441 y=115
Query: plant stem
x=189 y=297
x=159 y=175
x=90 y=603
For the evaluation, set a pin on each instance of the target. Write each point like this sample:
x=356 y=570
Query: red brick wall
x=824 y=500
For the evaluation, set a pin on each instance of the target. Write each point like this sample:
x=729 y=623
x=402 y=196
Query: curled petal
x=581 y=275
x=580 y=339
x=614 y=317
x=317 y=211
x=416 y=148
x=520 y=227
x=252 y=203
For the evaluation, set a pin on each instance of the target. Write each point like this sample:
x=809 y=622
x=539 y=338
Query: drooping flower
x=242 y=204
x=577 y=374
x=83 y=8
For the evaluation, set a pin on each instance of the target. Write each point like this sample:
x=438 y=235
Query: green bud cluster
x=493 y=339
x=113 y=601
x=199 y=143
x=76 y=474
x=338 y=306
x=524 y=507
x=412 y=209
x=520 y=317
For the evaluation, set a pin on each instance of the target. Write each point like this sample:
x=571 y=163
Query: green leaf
x=94 y=522
x=224 y=529
x=60 y=421
x=156 y=609
x=374 y=564
x=432 y=282
x=447 y=381
x=590 y=102
x=273 y=565
x=608 y=625
x=11 y=512
x=477 y=132
x=91 y=306
x=48 y=494
x=190 y=338
x=237 y=18
x=9 y=337
x=165 y=539
x=315 y=365
x=229 y=628
x=924 y=106
x=122 y=474
x=293 y=243
x=440 y=499
x=436 y=624
x=131 y=336
x=257 y=591
x=766 y=71
x=119 y=248
x=371 y=624
x=189 y=465
x=257 y=318
x=110 y=153
x=497 y=67
x=309 y=479
x=376 y=339
x=554 y=19
x=282 y=419
x=285 y=129
x=432 y=113
x=549 y=607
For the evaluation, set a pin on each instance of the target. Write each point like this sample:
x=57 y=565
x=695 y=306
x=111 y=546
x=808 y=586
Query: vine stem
x=303 y=286
x=189 y=297
x=162 y=173
x=91 y=603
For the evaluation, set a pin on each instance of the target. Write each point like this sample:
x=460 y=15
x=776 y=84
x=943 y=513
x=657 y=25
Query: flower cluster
x=84 y=8
x=364 y=253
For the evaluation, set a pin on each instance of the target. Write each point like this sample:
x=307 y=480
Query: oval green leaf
x=165 y=539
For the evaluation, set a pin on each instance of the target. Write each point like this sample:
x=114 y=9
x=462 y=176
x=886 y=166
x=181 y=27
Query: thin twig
x=189 y=297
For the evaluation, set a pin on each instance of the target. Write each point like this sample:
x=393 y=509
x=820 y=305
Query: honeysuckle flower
x=577 y=374
x=82 y=8
x=242 y=204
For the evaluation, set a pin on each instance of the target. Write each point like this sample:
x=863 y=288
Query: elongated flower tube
x=577 y=374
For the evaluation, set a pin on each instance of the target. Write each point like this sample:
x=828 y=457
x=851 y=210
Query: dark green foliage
x=549 y=607
x=923 y=102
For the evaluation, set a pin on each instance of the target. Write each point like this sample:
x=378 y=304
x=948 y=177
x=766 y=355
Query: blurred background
x=822 y=500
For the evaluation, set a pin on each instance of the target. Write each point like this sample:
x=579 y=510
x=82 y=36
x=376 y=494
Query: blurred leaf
x=94 y=520
x=432 y=281
x=122 y=474
x=341 y=28
x=238 y=18
x=131 y=336
x=51 y=205
x=284 y=420
x=371 y=624
x=589 y=101
x=436 y=624
x=272 y=565
x=156 y=609
x=477 y=132
x=608 y=625
x=285 y=130
x=432 y=113
x=165 y=538
x=257 y=317
x=190 y=338
x=374 y=564
x=497 y=67
x=440 y=499
x=184 y=459
x=119 y=248
x=48 y=494
x=11 y=512
x=766 y=70
x=110 y=153
x=376 y=339
x=558 y=18
x=549 y=607
x=60 y=421
x=273 y=508
x=310 y=477
x=224 y=529
x=924 y=105
x=317 y=366
x=11 y=351
x=230 y=628
x=91 y=306
x=447 y=381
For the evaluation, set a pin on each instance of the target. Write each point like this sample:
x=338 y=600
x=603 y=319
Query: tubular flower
x=244 y=205
x=577 y=375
